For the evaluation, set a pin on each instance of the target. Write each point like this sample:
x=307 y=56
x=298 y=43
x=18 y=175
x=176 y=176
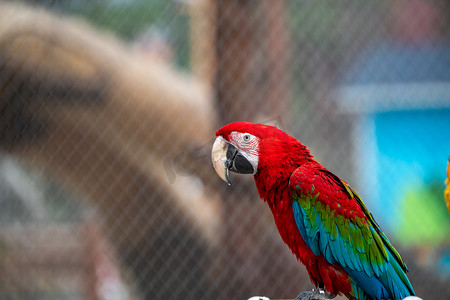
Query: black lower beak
x=237 y=162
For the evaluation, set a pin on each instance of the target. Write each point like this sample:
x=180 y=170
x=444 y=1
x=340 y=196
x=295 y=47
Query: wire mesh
x=107 y=117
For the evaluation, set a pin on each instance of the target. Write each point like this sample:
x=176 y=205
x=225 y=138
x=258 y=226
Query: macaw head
x=251 y=148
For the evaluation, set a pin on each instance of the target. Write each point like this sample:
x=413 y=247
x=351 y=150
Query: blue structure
x=401 y=96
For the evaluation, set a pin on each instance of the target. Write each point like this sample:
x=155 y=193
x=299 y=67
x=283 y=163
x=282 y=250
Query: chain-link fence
x=107 y=116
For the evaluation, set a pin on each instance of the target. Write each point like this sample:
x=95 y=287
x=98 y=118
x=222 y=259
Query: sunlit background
x=108 y=111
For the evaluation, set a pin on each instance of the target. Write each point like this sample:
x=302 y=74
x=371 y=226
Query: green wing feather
x=356 y=243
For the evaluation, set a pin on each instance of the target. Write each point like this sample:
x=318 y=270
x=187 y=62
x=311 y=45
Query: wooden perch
x=102 y=120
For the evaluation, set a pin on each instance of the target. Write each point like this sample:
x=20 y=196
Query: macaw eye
x=246 y=137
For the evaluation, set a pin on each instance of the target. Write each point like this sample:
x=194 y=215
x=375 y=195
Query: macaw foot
x=315 y=294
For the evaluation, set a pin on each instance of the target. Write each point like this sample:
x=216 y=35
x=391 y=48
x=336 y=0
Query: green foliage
x=130 y=18
x=425 y=220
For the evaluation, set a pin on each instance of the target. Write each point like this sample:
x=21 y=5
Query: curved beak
x=226 y=157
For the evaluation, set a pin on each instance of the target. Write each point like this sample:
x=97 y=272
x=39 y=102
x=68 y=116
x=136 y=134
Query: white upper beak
x=219 y=157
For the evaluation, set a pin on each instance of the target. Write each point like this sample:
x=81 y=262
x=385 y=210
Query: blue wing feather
x=374 y=270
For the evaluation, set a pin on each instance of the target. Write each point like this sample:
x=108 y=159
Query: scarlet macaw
x=319 y=216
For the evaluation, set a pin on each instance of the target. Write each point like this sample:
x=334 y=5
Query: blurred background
x=108 y=111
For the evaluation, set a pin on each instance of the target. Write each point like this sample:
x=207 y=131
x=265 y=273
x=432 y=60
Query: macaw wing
x=334 y=223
